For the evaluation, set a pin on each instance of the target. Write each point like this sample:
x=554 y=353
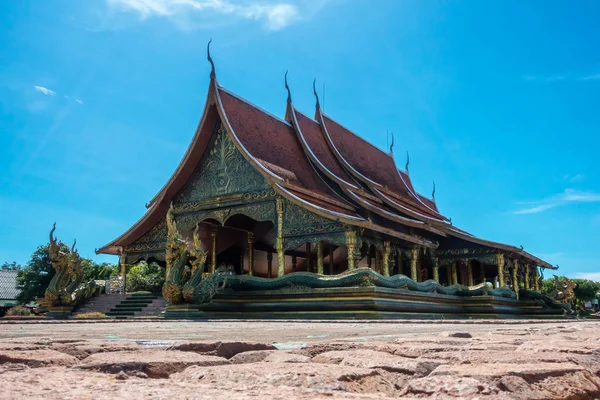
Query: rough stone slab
x=153 y=363
x=251 y=356
x=37 y=358
x=83 y=350
x=222 y=349
x=538 y=370
x=283 y=357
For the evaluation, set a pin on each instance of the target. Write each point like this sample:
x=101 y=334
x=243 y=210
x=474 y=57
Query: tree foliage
x=585 y=290
x=145 y=277
x=13 y=266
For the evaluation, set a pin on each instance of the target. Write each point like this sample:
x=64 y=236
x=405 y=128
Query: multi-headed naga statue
x=65 y=288
x=182 y=282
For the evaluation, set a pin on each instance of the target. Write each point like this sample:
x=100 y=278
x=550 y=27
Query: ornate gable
x=223 y=172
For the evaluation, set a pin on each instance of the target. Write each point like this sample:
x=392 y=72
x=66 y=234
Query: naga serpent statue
x=177 y=288
x=200 y=288
x=65 y=287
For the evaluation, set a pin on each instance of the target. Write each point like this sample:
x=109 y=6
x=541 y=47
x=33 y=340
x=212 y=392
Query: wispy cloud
x=592 y=276
x=559 y=78
x=574 y=178
x=79 y=101
x=569 y=196
x=198 y=14
x=591 y=77
x=44 y=90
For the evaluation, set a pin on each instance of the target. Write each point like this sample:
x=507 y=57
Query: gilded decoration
x=264 y=211
x=299 y=221
x=151 y=244
x=224 y=171
x=464 y=255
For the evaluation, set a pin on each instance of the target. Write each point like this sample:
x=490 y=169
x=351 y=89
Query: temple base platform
x=357 y=303
x=59 y=312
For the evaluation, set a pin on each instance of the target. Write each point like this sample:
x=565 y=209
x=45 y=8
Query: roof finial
x=392 y=145
x=407 y=161
x=433 y=192
x=287 y=88
x=315 y=92
x=210 y=60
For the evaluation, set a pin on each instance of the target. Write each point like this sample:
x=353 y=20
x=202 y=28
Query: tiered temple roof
x=317 y=164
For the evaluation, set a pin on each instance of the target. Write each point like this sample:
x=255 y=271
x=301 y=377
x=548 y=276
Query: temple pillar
x=436 y=269
x=320 y=268
x=351 y=242
x=515 y=277
x=213 y=255
x=377 y=261
x=536 y=279
x=386 y=258
x=527 y=271
x=470 y=273
x=270 y=264
x=455 y=273
x=495 y=282
x=500 y=264
x=279 y=240
x=123 y=271
x=251 y=254
x=449 y=274
x=414 y=255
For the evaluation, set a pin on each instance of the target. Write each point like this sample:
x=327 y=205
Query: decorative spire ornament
x=210 y=60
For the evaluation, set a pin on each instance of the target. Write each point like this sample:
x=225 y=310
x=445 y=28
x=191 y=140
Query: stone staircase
x=102 y=303
x=133 y=304
x=126 y=305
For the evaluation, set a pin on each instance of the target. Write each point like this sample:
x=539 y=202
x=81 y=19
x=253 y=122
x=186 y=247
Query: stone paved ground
x=288 y=360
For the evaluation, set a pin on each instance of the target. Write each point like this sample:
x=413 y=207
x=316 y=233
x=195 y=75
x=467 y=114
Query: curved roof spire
x=210 y=60
x=407 y=161
x=392 y=145
x=433 y=192
x=315 y=92
x=289 y=99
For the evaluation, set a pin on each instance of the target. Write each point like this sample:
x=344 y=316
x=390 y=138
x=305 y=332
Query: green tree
x=95 y=271
x=145 y=277
x=586 y=290
x=13 y=266
x=33 y=280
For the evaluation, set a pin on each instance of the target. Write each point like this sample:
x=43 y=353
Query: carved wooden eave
x=408 y=211
x=505 y=248
x=352 y=220
x=351 y=189
x=373 y=185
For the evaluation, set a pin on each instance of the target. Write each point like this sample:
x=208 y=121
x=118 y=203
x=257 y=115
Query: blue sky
x=496 y=101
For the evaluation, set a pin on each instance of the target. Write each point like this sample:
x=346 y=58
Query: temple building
x=271 y=196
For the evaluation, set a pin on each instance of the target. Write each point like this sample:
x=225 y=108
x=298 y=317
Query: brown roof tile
x=272 y=140
x=311 y=131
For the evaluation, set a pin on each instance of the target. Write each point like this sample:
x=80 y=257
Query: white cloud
x=574 y=178
x=569 y=196
x=44 y=90
x=273 y=14
x=592 y=77
x=79 y=101
x=592 y=276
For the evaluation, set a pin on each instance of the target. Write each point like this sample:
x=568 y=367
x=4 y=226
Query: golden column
x=500 y=263
x=470 y=272
x=414 y=255
x=527 y=272
x=123 y=271
x=308 y=261
x=279 y=241
x=320 y=269
x=386 y=258
x=455 y=273
x=351 y=242
x=436 y=269
x=482 y=272
x=536 y=279
x=213 y=259
x=250 y=253
x=515 y=277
